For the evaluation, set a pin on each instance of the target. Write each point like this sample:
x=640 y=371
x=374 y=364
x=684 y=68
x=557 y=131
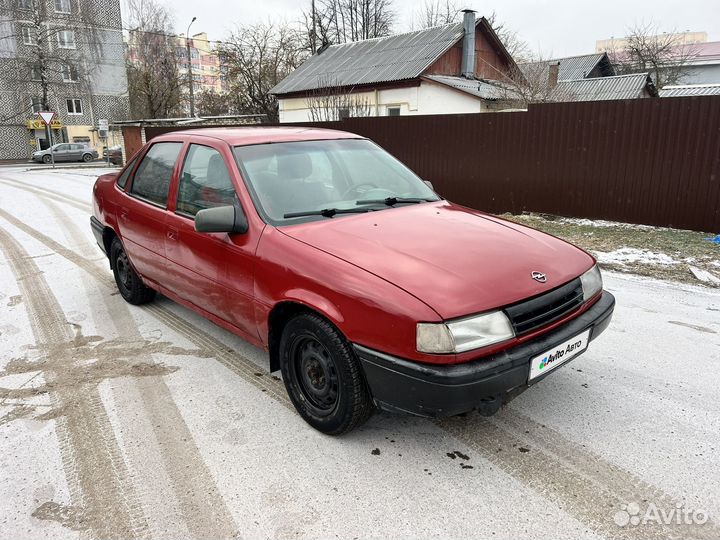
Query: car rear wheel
x=47 y=158
x=322 y=375
x=87 y=158
x=131 y=287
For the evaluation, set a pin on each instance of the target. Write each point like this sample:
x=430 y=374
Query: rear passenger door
x=76 y=152
x=142 y=212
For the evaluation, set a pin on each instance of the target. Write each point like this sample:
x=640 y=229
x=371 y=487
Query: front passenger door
x=60 y=152
x=197 y=262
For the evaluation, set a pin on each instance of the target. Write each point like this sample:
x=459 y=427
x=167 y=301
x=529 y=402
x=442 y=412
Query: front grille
x=541 y=310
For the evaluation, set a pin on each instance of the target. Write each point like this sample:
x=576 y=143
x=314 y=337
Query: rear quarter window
x=154 y=174
x=123 y=178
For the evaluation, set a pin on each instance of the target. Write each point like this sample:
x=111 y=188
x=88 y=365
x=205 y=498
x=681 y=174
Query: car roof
x=241 y=136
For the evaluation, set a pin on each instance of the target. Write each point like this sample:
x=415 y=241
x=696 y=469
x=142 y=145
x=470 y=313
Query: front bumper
x=438 y=391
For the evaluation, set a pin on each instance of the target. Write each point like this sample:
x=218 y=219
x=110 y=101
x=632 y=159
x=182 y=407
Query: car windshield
x=311 y=176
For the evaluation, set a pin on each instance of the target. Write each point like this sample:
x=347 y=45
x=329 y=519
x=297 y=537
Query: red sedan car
x=367 y=288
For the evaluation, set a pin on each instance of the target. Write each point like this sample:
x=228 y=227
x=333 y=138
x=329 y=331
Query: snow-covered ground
x=119 y=421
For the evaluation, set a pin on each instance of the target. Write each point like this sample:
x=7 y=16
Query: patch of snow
x=704 y=275
x=603 y=223
x=627 y=255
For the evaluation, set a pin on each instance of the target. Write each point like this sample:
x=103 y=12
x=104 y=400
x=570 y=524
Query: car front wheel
x=322 y=375
x=87 y=158
x=46 y=159
x=131 y=287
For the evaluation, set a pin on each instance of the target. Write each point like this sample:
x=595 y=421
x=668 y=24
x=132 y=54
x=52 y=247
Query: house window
x=74 y=106
x=393 y=111
x=29 y=36
x=69 y=73
x=25 y=4
x=36 y=104
x=343 y=113
x=66 y=39
x=36 y=72
x=62 y=6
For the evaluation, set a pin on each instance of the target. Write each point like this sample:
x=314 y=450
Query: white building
x=455 y=68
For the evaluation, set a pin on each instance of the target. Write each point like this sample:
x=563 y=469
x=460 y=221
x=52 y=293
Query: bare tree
x=209 y=103
x=254 y=59
x=664 y=55
x=154 y=84
x=343 y=21
x=435 y=13
x=531 y=82
x=331 y=102
x=516 y=46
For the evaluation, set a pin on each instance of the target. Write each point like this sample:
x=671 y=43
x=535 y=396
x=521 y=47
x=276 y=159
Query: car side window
x=204 y=182
x=154 y=174
x=123 y=178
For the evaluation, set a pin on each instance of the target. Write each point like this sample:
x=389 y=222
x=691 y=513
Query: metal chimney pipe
x=468 y=58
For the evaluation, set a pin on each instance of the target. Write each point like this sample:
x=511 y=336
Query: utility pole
x=188 y=42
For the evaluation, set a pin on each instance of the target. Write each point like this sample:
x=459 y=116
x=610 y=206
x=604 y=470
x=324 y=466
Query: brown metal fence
x=652 y=161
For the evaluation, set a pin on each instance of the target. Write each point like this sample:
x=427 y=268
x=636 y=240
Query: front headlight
x=465 y=334
x=591 y=283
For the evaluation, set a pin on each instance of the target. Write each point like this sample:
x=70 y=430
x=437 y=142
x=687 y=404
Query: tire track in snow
x=92 y=462
x=197 y=498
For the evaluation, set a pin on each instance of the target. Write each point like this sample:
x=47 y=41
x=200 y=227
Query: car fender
x=364 y=307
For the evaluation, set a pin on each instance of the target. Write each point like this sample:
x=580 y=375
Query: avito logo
x=550 y=358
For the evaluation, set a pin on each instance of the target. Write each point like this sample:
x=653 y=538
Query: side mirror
x=227 y=219
x=428 y=183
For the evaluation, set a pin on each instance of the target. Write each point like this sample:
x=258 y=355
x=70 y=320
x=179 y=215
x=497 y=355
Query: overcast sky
x=558 y=28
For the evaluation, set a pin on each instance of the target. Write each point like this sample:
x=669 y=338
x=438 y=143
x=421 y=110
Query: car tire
x=131 y=287
x=87 y=158
x=46 y=159
x=323 y=376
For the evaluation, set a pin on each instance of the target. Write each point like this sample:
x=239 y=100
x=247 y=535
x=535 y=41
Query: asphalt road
x=119 y=421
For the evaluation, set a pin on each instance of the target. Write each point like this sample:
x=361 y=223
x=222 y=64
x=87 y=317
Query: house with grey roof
x=684 y=90
x=588 y=77
x=454 y=68
x=574 y=67
x=633 y=86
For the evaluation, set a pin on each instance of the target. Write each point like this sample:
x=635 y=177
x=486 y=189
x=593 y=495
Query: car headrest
x=294 y=165
x=217 y=173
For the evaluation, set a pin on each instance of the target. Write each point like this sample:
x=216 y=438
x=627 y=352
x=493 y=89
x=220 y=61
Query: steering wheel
x=355 y=190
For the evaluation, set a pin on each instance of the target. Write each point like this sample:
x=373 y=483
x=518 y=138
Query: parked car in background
x=368 y=289
x=66 y=152
x=114 y=153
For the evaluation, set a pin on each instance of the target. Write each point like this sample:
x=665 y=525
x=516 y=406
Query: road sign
x=47 y=116
x=103 y=124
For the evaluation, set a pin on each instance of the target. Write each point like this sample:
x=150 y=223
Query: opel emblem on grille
x=539 y=277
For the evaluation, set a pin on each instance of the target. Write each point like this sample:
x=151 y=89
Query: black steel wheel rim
x=315 y=374
x=124 y=272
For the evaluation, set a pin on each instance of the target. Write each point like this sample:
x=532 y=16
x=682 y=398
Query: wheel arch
x=285 y=310
x=107 y=236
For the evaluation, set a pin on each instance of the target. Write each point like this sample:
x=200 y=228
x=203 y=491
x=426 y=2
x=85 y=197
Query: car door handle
x=172 y=234
x=124 y=212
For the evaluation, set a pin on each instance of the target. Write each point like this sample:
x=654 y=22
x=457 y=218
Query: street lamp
x=189 y=67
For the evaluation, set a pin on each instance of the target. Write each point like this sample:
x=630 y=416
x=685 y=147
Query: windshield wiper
x=329 y=212
x=392 y=201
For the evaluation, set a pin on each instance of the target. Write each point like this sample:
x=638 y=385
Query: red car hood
x=456 y=260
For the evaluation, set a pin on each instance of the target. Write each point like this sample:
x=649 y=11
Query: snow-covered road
x=123 y=421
